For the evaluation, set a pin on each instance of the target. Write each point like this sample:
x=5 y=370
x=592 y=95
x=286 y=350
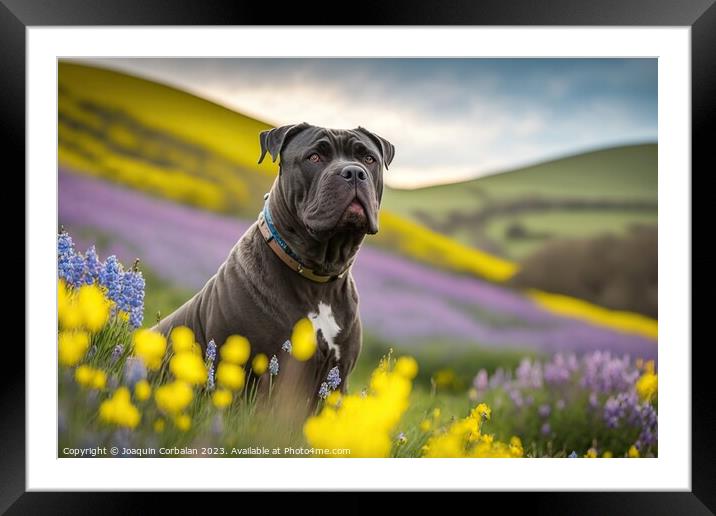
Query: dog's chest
x=326 y=327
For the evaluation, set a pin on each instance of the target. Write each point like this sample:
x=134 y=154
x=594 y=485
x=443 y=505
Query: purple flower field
x=401 y=301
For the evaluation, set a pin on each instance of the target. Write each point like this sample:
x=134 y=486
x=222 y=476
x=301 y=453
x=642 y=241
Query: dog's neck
x=329 y=257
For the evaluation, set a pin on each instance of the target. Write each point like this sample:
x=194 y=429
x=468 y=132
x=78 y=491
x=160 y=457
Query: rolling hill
x=514 y=212
x=169 y=144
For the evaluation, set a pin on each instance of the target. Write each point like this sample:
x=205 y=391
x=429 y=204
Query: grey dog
x=295 y=260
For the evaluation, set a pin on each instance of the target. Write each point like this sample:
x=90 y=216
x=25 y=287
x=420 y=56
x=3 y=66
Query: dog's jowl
x=295 y=261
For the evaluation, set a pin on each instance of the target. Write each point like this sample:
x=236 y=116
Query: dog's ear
x=386 y=148
x=274 y=140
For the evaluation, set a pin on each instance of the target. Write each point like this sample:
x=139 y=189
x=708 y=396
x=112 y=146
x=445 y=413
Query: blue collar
x=279 y=246
x=277 y=236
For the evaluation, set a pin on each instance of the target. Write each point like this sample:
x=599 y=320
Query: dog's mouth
x=355 y=214
x=355 y=209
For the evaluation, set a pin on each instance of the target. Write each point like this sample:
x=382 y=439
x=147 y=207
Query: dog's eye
x=369 y=159
x=314 y=158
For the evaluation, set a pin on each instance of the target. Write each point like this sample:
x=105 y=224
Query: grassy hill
x=513 y=213
x=171 y=144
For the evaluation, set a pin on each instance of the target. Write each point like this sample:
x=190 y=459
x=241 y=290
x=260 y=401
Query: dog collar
x=279 y=246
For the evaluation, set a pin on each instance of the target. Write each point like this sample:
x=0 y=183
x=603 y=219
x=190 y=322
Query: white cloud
x=443 y=127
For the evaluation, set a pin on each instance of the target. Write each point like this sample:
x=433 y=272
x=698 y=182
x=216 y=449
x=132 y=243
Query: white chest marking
x=324 y=321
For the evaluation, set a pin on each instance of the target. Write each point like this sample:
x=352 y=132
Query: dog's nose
x=353 y=173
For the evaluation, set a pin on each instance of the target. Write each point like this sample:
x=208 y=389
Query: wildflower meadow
x=124 y=387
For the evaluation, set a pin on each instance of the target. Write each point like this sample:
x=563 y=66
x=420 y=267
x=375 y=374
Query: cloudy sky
x=449 y=119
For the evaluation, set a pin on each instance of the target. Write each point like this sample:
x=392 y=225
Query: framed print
x=448 y=256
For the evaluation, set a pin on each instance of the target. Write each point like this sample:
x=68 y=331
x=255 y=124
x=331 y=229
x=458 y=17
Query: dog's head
x=330 y=179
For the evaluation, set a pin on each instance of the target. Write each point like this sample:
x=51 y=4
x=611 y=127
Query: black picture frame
x=16 y=16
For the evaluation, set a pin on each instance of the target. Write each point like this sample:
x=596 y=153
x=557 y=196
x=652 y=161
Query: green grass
x=560 y=224
x=628 y=172
x=619 y=174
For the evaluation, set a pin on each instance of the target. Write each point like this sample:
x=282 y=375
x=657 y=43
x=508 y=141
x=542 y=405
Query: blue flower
x=65 y=246
x=572 y=455
x=75 y=270
x=334 y=378
x=273 y=366
x=92 y=266
x=286 y=346
x=131 y=299
x=323 y=391
x=210 y=385
x=110 y=277
x=211 y=351
x=210 y=358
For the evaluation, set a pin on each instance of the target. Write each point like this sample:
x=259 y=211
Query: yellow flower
x=118 y=410
x=72 y=346
x=235 y=350
x=150 y=346
x=483 y=411
x=158 y=426
x=647 y=386
x=221 y=398
x=99 y=379
x=182 y=339
x=426 y=425
x=183 y=422
x=633 y=452
x=259 y=364
x=230 y=375
x=84 y=375
x=445 y=378
x=188 y=367
x=174 y=397
x=436 y=413
x=333 y=398
x=365 y=424
x=464 y=439
x=607 y=454
x=649 y=367
x=516 y=449
x=142 y=390
x=303 y=340
x=89 y=377
x=591 y=453
x=68 y=312
x=94 y=307
x=407 y=367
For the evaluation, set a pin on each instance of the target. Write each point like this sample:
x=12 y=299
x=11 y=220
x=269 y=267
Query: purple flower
x=481 y=381
x=334 y=378
x=529 y=374
x=544 y=410
x=546 y=429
